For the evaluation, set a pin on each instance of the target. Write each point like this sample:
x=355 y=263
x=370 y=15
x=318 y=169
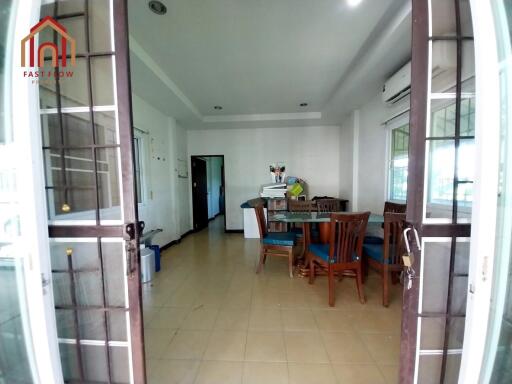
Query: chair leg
x=385 y=286
x=262 y=260
x=395 y=277
x=311 y=271
x=359 y=278
x=330 y=277
x=290 y=263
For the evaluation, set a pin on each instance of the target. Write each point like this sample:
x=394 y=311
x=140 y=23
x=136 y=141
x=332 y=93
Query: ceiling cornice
x=146 y=58
x=262 y=117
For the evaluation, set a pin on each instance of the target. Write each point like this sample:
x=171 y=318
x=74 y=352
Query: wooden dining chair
x=307 y=206
x=274 y=243
x=343 y=253
x=326 y=206
x=386 y=258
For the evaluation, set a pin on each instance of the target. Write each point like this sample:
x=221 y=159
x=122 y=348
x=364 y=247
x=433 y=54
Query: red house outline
x=65 y=38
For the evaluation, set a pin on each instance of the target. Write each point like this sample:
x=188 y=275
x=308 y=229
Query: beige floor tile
x=220 y=372
x=187 y=345
x=358 y=374
x=200 y=318
x=265 y=319
x=294 y=300
x=332 y=320
x=156 y=341
x=265 y=373
x=384 y=348
x=175 y=372
x=345 y=347
x=390 y=373
x=233 y=319
x=305 y=347
x=298 y=320
x=226 y=345
x=149 y=313
x=168 y=318
x=375 y=320
x=265 y=346
x=311 y=374
x=207 y=286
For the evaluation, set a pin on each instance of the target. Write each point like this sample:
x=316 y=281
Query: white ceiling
x=259 y=59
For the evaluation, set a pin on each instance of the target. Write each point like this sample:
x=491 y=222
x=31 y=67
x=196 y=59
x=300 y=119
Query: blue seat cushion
x=375 y=252
x=322 y=251
x=297 y=230
x=373 y=240
x=280 y=238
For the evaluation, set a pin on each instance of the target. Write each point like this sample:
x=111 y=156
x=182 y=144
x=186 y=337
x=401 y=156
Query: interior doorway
x=208 y=189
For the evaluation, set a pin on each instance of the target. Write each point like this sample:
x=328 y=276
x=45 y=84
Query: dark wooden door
x=88 y=153
x=199 y=193
x=439 y=196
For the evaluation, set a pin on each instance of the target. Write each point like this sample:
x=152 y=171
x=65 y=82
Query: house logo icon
x=48 y=22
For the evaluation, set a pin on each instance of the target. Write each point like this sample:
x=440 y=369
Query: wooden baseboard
x=234 y=231
x=174 y=242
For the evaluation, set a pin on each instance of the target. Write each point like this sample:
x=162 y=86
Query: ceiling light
x=217 y=107
x=157 y=7
x=303 y=104
x=353 y=3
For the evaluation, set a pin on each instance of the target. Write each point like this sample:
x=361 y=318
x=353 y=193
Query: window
x=399 y=163
x=137 y=144
x=442 y=154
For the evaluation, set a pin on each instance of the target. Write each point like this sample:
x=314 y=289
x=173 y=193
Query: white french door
x=28 y=338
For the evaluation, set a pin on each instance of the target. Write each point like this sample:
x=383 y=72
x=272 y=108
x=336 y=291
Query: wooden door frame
x=130 y=229
x=223 y=180
x=416 y=184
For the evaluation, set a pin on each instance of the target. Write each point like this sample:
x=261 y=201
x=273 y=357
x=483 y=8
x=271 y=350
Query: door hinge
x=44 y=283
x=485 y=268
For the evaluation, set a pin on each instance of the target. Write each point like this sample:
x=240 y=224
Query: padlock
x=408 y=259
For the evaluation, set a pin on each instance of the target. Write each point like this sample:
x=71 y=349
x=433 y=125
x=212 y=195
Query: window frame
x=140 y=169
x=392 y=124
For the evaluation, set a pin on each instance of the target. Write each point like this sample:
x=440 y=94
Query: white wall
x=312 y=153
x=346 y=160
x=372 y=167
x=163 y=192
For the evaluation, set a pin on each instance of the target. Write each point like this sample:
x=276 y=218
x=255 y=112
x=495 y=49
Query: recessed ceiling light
x=353 y=3
x=157 y=7
x=303 y=104
x=217 y=107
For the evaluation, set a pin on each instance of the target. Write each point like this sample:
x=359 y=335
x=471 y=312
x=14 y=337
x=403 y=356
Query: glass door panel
x=440 y=195
x=89 y=173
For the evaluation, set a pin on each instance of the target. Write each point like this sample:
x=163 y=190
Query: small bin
x=147 y=264
x=156 y=249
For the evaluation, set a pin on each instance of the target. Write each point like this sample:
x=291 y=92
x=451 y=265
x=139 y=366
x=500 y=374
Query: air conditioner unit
x=397 y=86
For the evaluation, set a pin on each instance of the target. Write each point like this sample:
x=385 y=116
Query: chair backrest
x=328 y=205
x=301 y=205
x=260 y=218
x=394 y=245
x=394 y=207
x=347 y=235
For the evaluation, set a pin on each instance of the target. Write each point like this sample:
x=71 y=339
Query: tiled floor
x=210 y=319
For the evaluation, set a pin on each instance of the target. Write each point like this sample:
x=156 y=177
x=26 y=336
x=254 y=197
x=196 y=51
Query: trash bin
x=156 y=249
x=147 y=264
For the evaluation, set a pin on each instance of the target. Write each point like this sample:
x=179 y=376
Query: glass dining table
x=322 y=219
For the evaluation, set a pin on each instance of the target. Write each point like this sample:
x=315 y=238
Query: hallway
x=210 y=319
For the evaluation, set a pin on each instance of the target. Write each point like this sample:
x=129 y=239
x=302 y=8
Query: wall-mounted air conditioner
x=397 y=86
x=444 y=66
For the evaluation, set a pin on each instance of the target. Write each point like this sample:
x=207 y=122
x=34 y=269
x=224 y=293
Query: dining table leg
x=303 y=266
